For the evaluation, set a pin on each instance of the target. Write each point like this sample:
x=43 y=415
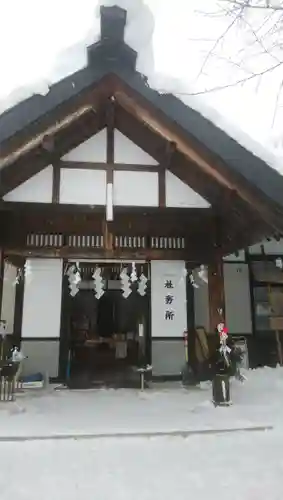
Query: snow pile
x=139 y=35
x=164 y=408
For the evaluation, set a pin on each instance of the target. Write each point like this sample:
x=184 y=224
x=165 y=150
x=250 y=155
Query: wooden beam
x=216 y=294
x=40 y=128
x=162 y=188
x=110 y=121
x=165 y=165
x=56 y=183
x=127 y=167
x=37 y=159
x=119 y=254
x=2 y=270
x=110 y=150
x=50 y=209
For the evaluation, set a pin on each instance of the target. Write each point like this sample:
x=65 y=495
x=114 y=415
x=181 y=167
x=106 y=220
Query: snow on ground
x=234 y=467
x=238 y=466
x=165 y=408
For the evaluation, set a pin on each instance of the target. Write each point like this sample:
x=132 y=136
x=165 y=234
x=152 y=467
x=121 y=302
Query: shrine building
x=127 y=218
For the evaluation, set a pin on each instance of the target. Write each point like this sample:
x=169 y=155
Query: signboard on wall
x=168 y=298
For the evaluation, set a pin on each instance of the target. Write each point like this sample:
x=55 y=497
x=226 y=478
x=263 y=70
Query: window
x=266 y=272
x=268 y=296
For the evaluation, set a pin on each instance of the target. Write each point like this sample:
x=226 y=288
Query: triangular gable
x=126 y=151
x=93 y=149
x=37 y=189
x=179 y=194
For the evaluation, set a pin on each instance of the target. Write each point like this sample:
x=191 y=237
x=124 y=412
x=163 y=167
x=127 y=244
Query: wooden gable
x=109 y=97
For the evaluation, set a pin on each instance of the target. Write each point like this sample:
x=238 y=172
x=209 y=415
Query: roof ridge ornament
x=111 y=49
x=112 y=24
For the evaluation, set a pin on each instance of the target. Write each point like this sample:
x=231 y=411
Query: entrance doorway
x=104 y=341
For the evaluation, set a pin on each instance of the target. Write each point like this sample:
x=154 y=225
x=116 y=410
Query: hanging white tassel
x=19 y=277
x=98 y=283
x=192 y=281
x=224 y=390
x=142 y=285
x=134 y=275
x=73 y=290
x=70 y=270
x=125 y=283
x=279 y=263
x=203 y=274
x=74 y=279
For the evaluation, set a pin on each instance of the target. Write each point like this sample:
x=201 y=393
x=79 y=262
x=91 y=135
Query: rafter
x=37 y=159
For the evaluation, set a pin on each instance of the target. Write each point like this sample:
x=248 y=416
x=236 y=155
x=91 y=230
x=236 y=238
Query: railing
x=97 y=241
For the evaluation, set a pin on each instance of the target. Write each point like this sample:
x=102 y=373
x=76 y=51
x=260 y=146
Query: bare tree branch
x=250 y=4
x=233 y=84
x=217 y=42
x=257 y=25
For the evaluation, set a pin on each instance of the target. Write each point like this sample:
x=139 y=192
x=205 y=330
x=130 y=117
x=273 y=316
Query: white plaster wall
x=160 y=272
x=42 y=298
x=85 y=187
x=135 y=189
x=94 y=149
x=179 y=194
x=42 y=357
x=9 y=296
x=37 y=189
x=126 y=151
x=168 y=357
x=201 y=306
x=237 y=298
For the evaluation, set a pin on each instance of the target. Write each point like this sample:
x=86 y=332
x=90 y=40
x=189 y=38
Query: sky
x=40 y=42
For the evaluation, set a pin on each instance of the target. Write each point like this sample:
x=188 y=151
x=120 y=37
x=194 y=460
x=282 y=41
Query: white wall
x=179 y=194
x=9 y=296
x=237 y=298
x=174 y=271
x=42 y=298
x=126 y=151
x=37 y=189
x=94 y=149
x=85 y=187
x=135 y=189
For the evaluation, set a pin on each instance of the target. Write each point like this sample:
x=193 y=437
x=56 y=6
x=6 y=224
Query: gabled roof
x=235 y=166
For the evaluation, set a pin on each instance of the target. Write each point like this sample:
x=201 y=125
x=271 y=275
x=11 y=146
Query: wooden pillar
x=165 y=165
x=216 y=294
x=110 y=118
x=2 y=269
x=56 y=182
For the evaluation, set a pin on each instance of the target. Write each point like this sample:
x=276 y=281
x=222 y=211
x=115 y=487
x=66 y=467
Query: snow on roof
x=139 y=33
